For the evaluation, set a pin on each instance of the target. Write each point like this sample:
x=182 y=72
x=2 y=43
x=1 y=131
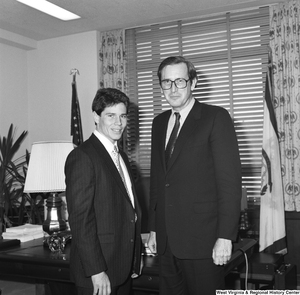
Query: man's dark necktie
x=172 y=139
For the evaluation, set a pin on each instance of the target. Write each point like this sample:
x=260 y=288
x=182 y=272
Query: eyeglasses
x=180 y=83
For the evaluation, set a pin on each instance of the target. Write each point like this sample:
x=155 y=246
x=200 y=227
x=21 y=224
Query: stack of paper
x=24 y=233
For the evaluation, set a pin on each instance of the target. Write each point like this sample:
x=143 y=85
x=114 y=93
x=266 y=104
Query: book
x=4 y=243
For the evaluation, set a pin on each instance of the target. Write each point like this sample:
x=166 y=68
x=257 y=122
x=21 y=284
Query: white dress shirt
x=109 y=146
x=183 y=115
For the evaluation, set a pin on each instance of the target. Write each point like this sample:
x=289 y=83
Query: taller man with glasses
x=195 y=189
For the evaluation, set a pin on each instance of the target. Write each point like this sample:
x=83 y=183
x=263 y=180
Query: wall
x=35 y=87
x=13 y=92
x=49 y=85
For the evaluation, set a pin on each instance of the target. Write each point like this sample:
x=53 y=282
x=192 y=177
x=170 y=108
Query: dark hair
x=106 y=97
x=173 y=60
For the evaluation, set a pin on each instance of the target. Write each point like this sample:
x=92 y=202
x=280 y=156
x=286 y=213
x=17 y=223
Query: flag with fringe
x=272 y=235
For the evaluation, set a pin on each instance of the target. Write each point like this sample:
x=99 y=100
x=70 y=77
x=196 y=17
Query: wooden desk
x=31 y=260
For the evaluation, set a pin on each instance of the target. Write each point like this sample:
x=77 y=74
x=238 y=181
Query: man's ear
x=96 y=117
x=194 y=83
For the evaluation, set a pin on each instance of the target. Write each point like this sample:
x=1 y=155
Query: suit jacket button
x=167 y=184
x=131 y=240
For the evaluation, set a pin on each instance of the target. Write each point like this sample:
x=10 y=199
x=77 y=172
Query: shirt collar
x=109 y=146
x=184 y=112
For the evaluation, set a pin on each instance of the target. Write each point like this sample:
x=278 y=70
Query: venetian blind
x=229 y=52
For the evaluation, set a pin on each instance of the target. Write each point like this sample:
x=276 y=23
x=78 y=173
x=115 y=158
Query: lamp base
x=54 y=221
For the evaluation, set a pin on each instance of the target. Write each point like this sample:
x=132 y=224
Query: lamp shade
x=46 y=167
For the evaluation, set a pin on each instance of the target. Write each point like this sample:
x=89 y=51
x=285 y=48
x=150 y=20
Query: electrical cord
x=247 y=268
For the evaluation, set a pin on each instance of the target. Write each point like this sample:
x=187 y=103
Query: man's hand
x=222 y=251
x=101 y=284
x=152 y=242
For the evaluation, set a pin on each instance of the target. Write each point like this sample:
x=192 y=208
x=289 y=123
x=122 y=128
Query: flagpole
x=74 y=72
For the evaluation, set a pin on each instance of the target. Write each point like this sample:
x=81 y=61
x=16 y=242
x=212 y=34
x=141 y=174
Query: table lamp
x=45 y=174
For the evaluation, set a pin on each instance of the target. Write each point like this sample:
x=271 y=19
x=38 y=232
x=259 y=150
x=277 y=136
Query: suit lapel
x=187 y=130
x=162 y=134
x=106 y=158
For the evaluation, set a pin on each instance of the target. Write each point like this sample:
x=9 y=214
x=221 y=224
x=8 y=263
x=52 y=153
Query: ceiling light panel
x=51 y=9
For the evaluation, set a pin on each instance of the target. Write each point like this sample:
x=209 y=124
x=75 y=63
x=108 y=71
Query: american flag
x=76 y=128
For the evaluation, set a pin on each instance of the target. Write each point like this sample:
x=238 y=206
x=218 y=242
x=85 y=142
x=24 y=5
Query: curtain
x=284 y=43
x=112 y=60
x=112 y=55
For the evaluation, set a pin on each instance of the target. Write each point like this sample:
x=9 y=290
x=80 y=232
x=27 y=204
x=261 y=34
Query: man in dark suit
x=195 y=187
x=104 y=213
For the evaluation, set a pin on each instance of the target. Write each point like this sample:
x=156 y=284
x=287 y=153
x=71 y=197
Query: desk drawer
x=146 y=282
x=27 y=270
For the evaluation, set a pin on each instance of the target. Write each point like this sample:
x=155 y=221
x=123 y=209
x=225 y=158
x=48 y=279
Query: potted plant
x=10 y=173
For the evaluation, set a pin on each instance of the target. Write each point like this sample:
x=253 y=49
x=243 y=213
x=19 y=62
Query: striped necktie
x=116 y=157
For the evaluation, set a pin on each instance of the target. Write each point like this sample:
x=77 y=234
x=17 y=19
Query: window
x=229 y=52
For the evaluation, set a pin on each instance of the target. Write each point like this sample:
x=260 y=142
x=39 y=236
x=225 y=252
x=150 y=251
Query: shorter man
x=104 y=214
